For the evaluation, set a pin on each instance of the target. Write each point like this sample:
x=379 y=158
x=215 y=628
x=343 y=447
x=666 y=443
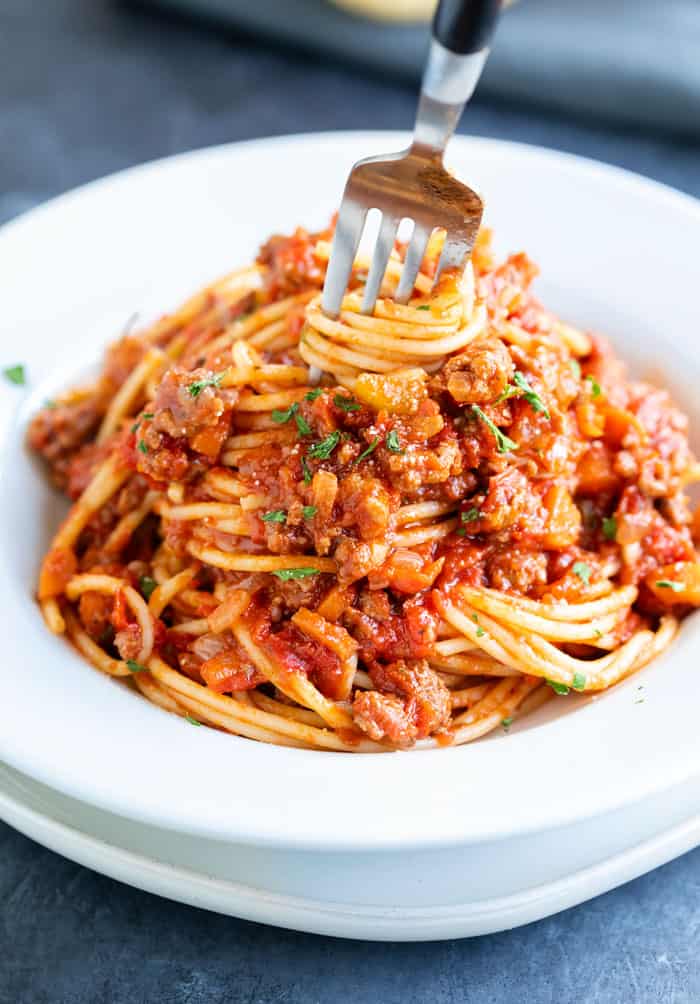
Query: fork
x=414 y=184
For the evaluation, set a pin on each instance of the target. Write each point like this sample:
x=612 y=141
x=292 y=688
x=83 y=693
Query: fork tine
x=346 y=239
x=454 y=251
x=415 y=253
x=382 y=250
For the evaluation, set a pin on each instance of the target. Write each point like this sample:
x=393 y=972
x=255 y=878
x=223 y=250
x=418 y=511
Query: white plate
x=409 y=896
x=617 y=252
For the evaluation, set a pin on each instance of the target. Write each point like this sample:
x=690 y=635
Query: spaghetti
x=368 y=533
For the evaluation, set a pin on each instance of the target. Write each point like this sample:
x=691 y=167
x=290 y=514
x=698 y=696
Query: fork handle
x=462 y=30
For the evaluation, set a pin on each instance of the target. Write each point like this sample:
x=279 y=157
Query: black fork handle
x=465 y=26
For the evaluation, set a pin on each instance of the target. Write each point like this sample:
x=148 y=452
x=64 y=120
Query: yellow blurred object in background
x=390 y=10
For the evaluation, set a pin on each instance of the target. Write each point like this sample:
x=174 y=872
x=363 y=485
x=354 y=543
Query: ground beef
x=412 y=703
x=478 y=374
x=58 y=432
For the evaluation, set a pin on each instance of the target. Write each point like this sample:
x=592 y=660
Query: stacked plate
x=582 y=796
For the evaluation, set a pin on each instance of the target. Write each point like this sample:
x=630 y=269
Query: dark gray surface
x=86 y=89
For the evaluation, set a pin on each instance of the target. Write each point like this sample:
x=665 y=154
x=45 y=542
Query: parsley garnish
x=346 y=403
x=147 y=585
x=15 y=374
x=558 y=688
x=141 y=446
x=582 y=570
x=313 y=394
x=503 y=443
x=609 y=527
x=579 y=681
x=598 y=633
x=677 y=587
x=309 y=511
x=575 y=368
x=370 y=449
x=191 y=720
x=302 y=425
x=280 y=417
x=595 y=386
x=196 y=388
x=136 y=667
x=423 y=306
x=507 y=722
x=470 y=515
x=274 y=516
x=148 y=414
x=323 y=450
x=306 y=471
x=530 y=395
x=392 y=442
x=294 y=573
x=479 y=631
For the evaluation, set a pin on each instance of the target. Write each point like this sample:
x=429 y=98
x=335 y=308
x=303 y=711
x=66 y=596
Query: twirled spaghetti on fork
x=373 y=532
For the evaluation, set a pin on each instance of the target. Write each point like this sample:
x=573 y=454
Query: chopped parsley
x=598 y=633
x=196 y=388
x=503 y=443
x=595 y=386
x=423 y=306
x=306 y=471
x=370 y=449
x=282 y=416
x=346 y=403
x=582 y=570
x=677 y=587
x=136 y=667
x=558 y=688
x=392 y=442
x=507 y=722
x=313 y=394
x=141 y=446
x=285 y=574
x=579 y=681
x=479 y=631
x=191 y=720
x=309 y=511
x=575 y=368
x=470 y=515
x=530 y=395
x=302 y=425
x=147 y=586
x=16 y=374
x=609 y=527
x=274 y=516
x=323 y=449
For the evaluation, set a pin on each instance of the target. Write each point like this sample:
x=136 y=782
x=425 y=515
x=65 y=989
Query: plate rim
x=225 y=826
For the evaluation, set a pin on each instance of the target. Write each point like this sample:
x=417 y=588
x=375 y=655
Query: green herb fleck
x=558 y=688
x=313 y=394
x=302 y=425
x=306 y=471
x=15 y=374
x=598 y=633
x=285 y=574
x=370 y=449
x=147 y=586
x=677 y=587
x=274 y=516
x=191 y=720
x=530 y=395
x=346 y=403
x=309 y=511
x=198 y=386
x=423 y=306
x=323 y=450
x=609 y=527
x=575 y=368
x=507 y=722
x=470 y=515
x=148 y=414
x=579 y=681
x=392 y=442
x=280 y=417
x=595 y=386
x=136 y=667
x=503 y=443
x=582 y=570
x=480 y=632
x=141 y=446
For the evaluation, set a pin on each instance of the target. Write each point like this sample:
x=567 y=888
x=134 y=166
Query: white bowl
x=617 y=252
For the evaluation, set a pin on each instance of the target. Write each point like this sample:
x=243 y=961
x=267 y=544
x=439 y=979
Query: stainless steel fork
x=414 y=184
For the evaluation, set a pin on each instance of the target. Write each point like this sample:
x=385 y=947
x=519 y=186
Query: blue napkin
x=632 y=61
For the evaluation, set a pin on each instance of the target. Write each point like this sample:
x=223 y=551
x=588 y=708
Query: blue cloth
x=632 y=61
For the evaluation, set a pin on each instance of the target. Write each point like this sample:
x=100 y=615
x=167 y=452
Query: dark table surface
x=88 y=87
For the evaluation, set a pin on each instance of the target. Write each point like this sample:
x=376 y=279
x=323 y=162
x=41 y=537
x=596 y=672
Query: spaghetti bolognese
x=372 y=532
